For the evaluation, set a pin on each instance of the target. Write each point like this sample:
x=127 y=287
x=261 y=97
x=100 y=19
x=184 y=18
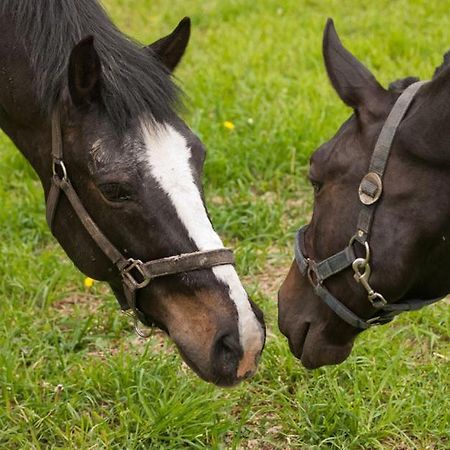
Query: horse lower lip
x=297 y=343
x=191 y=364
x=226 y=382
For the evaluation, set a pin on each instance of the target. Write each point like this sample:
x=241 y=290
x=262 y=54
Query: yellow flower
x=88 y=282
x=228 y=125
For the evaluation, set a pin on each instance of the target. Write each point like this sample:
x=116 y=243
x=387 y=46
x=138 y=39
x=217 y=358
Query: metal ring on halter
x=144 y=333
x=59 y=163
x=366 y=247
x=141 y=332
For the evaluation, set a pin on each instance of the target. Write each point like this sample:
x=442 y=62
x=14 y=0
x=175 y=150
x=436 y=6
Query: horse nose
x=226 y=356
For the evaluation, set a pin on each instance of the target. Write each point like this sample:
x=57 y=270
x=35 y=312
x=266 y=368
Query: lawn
x=73 y=374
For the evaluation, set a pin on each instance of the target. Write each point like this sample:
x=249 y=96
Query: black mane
x=445 y=64
x=134 y=82
x=401 y=84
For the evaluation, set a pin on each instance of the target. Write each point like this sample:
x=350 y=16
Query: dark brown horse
x=78 y=96
x=378 y=242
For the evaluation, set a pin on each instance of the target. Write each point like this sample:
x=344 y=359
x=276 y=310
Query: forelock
x=133 y=80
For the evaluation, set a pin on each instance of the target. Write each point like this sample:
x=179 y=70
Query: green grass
x=73 y=375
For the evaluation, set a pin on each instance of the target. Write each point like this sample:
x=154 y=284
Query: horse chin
x=206 y=338
x=205 y=375
x=190 y=357
x=326 y=355
x=314 y=342
x=314 y=351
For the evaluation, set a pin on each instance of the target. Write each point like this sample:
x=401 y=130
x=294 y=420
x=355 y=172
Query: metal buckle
x=59 y=163
x=130 y=278
x=370 y=196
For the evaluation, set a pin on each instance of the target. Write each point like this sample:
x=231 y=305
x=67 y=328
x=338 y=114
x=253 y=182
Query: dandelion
x=59 y=389
x=228 y=125
x=88 y=282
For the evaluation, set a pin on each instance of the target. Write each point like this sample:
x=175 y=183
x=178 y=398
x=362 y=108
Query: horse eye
x=115 y=192
x=316 y=186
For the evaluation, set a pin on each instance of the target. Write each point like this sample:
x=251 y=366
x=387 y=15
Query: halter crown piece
x=135 y=273
x=370 y=191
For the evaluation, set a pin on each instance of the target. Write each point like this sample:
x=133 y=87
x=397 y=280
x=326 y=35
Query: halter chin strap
x=370 y=191
x=135 y=273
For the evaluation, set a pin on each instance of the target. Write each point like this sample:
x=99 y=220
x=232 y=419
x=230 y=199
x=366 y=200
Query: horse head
x=386 y=233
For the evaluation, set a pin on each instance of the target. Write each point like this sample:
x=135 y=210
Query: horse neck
x=21 y=116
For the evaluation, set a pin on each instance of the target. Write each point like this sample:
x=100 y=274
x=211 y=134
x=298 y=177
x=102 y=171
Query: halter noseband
x=135 y=273
x=370 y=191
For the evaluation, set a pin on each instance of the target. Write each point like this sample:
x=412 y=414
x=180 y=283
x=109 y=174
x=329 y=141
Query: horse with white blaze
x=95 y=114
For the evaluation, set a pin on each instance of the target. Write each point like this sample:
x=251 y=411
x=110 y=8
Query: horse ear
x=170 y=49
x=84 y=73
x=353 y=82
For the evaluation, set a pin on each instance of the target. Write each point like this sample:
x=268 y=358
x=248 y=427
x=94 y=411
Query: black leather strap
x=302 y=262
x=384 y=315
x=381 y=154
x=326 y=268
x=340 y=309
x=409 y=305
x=335 y=264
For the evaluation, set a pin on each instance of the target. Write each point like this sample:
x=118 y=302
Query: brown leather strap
x=57 y=155
x=52 y=202
x=100 y=239
x=60 y=182
x=57 y=145
x=188 y=262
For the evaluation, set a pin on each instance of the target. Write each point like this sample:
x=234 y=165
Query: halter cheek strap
x=135 y=273
x=370 y=191
x=371 y=186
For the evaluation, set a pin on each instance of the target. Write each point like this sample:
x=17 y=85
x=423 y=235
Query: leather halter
x=370 y=191
x=135 y=273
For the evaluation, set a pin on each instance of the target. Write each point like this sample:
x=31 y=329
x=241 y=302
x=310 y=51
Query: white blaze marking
x=168 y=155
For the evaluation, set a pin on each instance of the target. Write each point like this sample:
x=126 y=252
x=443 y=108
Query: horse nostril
x=228 y=347
x=227 y=354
